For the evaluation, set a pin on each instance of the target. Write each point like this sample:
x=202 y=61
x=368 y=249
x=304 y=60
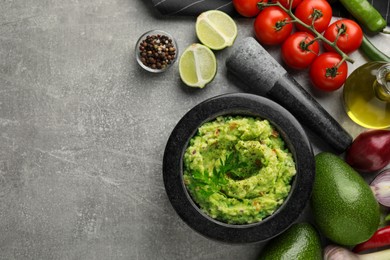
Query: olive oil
x=367 y=95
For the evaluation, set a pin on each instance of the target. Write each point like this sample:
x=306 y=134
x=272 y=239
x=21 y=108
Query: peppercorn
x=157 y=51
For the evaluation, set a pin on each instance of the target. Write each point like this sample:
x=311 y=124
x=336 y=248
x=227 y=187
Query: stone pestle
x=264 y=76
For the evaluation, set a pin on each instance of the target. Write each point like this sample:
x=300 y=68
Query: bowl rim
x=138 y=53
x=247 y=105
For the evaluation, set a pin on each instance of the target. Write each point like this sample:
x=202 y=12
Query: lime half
x=197 y=65
x=216 y=29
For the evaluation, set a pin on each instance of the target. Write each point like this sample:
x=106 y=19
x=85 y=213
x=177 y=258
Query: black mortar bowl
x=295 y=139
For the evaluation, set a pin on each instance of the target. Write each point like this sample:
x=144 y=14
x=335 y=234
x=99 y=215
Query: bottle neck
x=382 y=83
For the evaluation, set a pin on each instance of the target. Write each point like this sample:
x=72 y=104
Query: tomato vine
x=318 y=36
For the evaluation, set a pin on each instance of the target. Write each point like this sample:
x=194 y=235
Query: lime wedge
x=197 y=65
x=216 y=29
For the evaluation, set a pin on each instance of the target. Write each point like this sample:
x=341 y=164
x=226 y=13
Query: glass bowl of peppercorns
x=156 y=51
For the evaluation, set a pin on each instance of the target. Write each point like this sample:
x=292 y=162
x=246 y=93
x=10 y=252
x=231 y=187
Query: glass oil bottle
x=366 y=95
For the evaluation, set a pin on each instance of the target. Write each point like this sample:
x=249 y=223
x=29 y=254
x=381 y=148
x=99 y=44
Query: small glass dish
x=156 y=51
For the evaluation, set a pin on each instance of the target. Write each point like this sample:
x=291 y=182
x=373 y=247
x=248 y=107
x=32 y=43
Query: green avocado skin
x=300 y=242
x=343 y=205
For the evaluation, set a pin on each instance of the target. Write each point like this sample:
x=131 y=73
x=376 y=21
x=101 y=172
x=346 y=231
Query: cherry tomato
x=351 y=35
x=326 y=73
x=300 y=50
x=286 y=3
x=318 y=11
x=247 y=8
x=272 y=26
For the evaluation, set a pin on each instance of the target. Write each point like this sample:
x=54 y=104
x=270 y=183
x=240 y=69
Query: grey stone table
x=83 y=130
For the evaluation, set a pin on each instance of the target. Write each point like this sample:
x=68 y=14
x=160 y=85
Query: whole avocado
x=300 y=242
x=343 y=205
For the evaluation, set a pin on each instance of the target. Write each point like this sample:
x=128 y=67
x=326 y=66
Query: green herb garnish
x=231 y=168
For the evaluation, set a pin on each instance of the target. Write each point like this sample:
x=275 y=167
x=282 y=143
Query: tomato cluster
x=301 y=35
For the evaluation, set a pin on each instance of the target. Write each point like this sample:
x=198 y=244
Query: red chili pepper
x=380 y=238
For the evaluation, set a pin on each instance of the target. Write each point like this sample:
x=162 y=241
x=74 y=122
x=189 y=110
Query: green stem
x=334 y=71
x=312 y=41
x=316 y=15
x=305 y=46
x=341 y=62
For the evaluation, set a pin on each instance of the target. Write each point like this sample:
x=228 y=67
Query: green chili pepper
x=372 y=52
x=366 y=14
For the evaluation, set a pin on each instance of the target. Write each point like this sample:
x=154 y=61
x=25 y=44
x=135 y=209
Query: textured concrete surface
x=83 y=130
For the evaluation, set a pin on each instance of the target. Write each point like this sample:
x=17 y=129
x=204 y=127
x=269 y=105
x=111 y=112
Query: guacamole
x=237 y=169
